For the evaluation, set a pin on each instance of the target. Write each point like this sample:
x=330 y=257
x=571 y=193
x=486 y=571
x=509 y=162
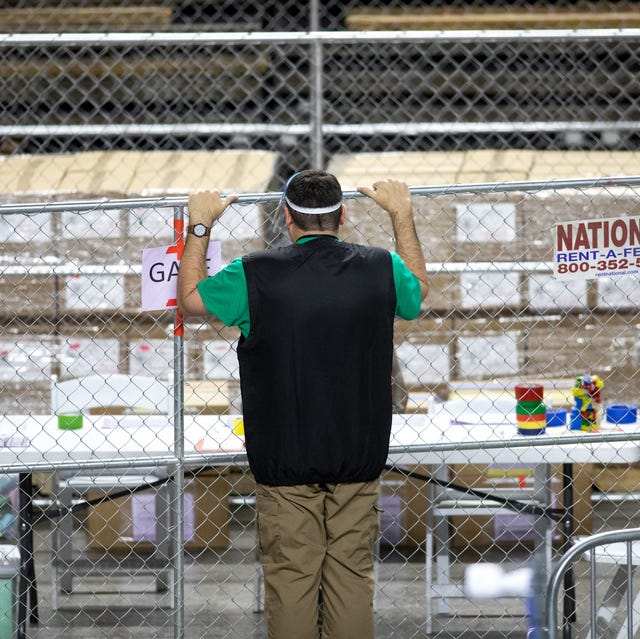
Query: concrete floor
x=219 y=597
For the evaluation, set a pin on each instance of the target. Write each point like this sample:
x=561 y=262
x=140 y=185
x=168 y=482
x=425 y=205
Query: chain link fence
x=310 y=95
x=103 y=105
x=105 y=532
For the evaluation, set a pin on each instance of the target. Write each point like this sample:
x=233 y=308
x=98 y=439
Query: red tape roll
x=529 y=392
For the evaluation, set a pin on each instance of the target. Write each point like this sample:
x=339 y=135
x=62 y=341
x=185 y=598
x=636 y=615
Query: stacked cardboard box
x=130 y=522
x=513 y=528
x=403 y=509
x=405 y=502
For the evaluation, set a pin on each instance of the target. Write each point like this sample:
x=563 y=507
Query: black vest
x=315 y=368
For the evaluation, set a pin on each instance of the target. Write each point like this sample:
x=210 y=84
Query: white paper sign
x=485 y=222
x=237 y=224
x=95 y=292
x=488 y=356
x=26 y=228
x=80 y=356
x=489 y=290
x=546 y=292
x=619 y=293
x=151 y=357
x=424 y=364
x=25 y=361
x=597 y=248
x=160 y=275
x=81 y=225
x=150 y=223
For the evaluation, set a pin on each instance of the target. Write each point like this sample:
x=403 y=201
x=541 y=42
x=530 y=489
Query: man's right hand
x=205 y=206
x=392 y=195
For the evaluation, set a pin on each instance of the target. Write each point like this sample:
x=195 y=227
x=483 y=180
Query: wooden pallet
x=589 y=16
x=113 y=18
x=176 y=78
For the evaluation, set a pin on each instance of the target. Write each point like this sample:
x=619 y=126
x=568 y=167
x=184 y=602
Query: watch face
x=199 y=230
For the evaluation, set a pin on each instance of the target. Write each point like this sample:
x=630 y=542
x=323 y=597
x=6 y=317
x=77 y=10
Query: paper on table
x=135 y=421
x=14 y=441
x=220 y=439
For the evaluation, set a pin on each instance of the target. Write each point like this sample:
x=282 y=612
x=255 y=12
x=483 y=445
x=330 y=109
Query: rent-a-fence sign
x=587 y=249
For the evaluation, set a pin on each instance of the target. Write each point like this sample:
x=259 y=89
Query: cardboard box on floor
x=129 y=522
x=240 y=481
x=509 y=529
x=616 y=478
x=403 y=508
x=404 y=503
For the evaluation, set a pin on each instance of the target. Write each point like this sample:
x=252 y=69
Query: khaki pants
x=318 y=537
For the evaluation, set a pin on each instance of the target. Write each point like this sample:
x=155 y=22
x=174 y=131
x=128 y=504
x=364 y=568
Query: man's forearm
x=193 y=269
x=409 y=249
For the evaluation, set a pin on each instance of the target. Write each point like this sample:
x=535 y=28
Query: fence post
x=177 y=485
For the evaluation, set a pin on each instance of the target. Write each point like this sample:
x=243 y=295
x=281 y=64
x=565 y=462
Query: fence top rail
x=61 y=266
x=311 y=37
x=531 y=186
x=234 y=457
x=411 y=129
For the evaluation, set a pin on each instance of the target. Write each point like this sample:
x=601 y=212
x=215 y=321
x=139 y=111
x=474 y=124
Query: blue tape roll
x=622 y=414
x=556 y=417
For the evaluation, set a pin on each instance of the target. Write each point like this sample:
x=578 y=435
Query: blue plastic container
x=556 y=417
x=622 y=414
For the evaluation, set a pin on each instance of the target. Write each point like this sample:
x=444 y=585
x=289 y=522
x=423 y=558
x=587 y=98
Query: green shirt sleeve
x=408 y=295
x=225 y=295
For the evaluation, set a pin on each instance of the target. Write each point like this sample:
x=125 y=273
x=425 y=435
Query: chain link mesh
x=86 y=116
x=482 y=332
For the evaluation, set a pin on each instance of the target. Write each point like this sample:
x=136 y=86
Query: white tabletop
x=444 y=436
x=110 y=438
x=451 y=434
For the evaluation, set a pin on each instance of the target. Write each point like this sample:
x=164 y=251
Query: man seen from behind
x=316 y=348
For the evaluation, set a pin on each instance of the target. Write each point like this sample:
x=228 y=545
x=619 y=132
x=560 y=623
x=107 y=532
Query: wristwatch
x=199 y=230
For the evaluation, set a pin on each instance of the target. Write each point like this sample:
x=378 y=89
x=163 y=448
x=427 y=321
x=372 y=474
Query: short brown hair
x=314 y=189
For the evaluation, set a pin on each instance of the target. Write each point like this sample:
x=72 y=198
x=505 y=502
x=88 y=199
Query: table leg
x=569 y=595
x=541 y=559
x=27 y=590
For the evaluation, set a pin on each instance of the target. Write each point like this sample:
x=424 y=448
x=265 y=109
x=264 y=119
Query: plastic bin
x=9 y=571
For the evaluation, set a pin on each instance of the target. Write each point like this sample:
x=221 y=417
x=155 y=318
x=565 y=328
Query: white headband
x=314 y=211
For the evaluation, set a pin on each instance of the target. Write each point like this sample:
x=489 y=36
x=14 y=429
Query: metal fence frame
x=589 y=545
x=180 y=460
x=316 y=131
